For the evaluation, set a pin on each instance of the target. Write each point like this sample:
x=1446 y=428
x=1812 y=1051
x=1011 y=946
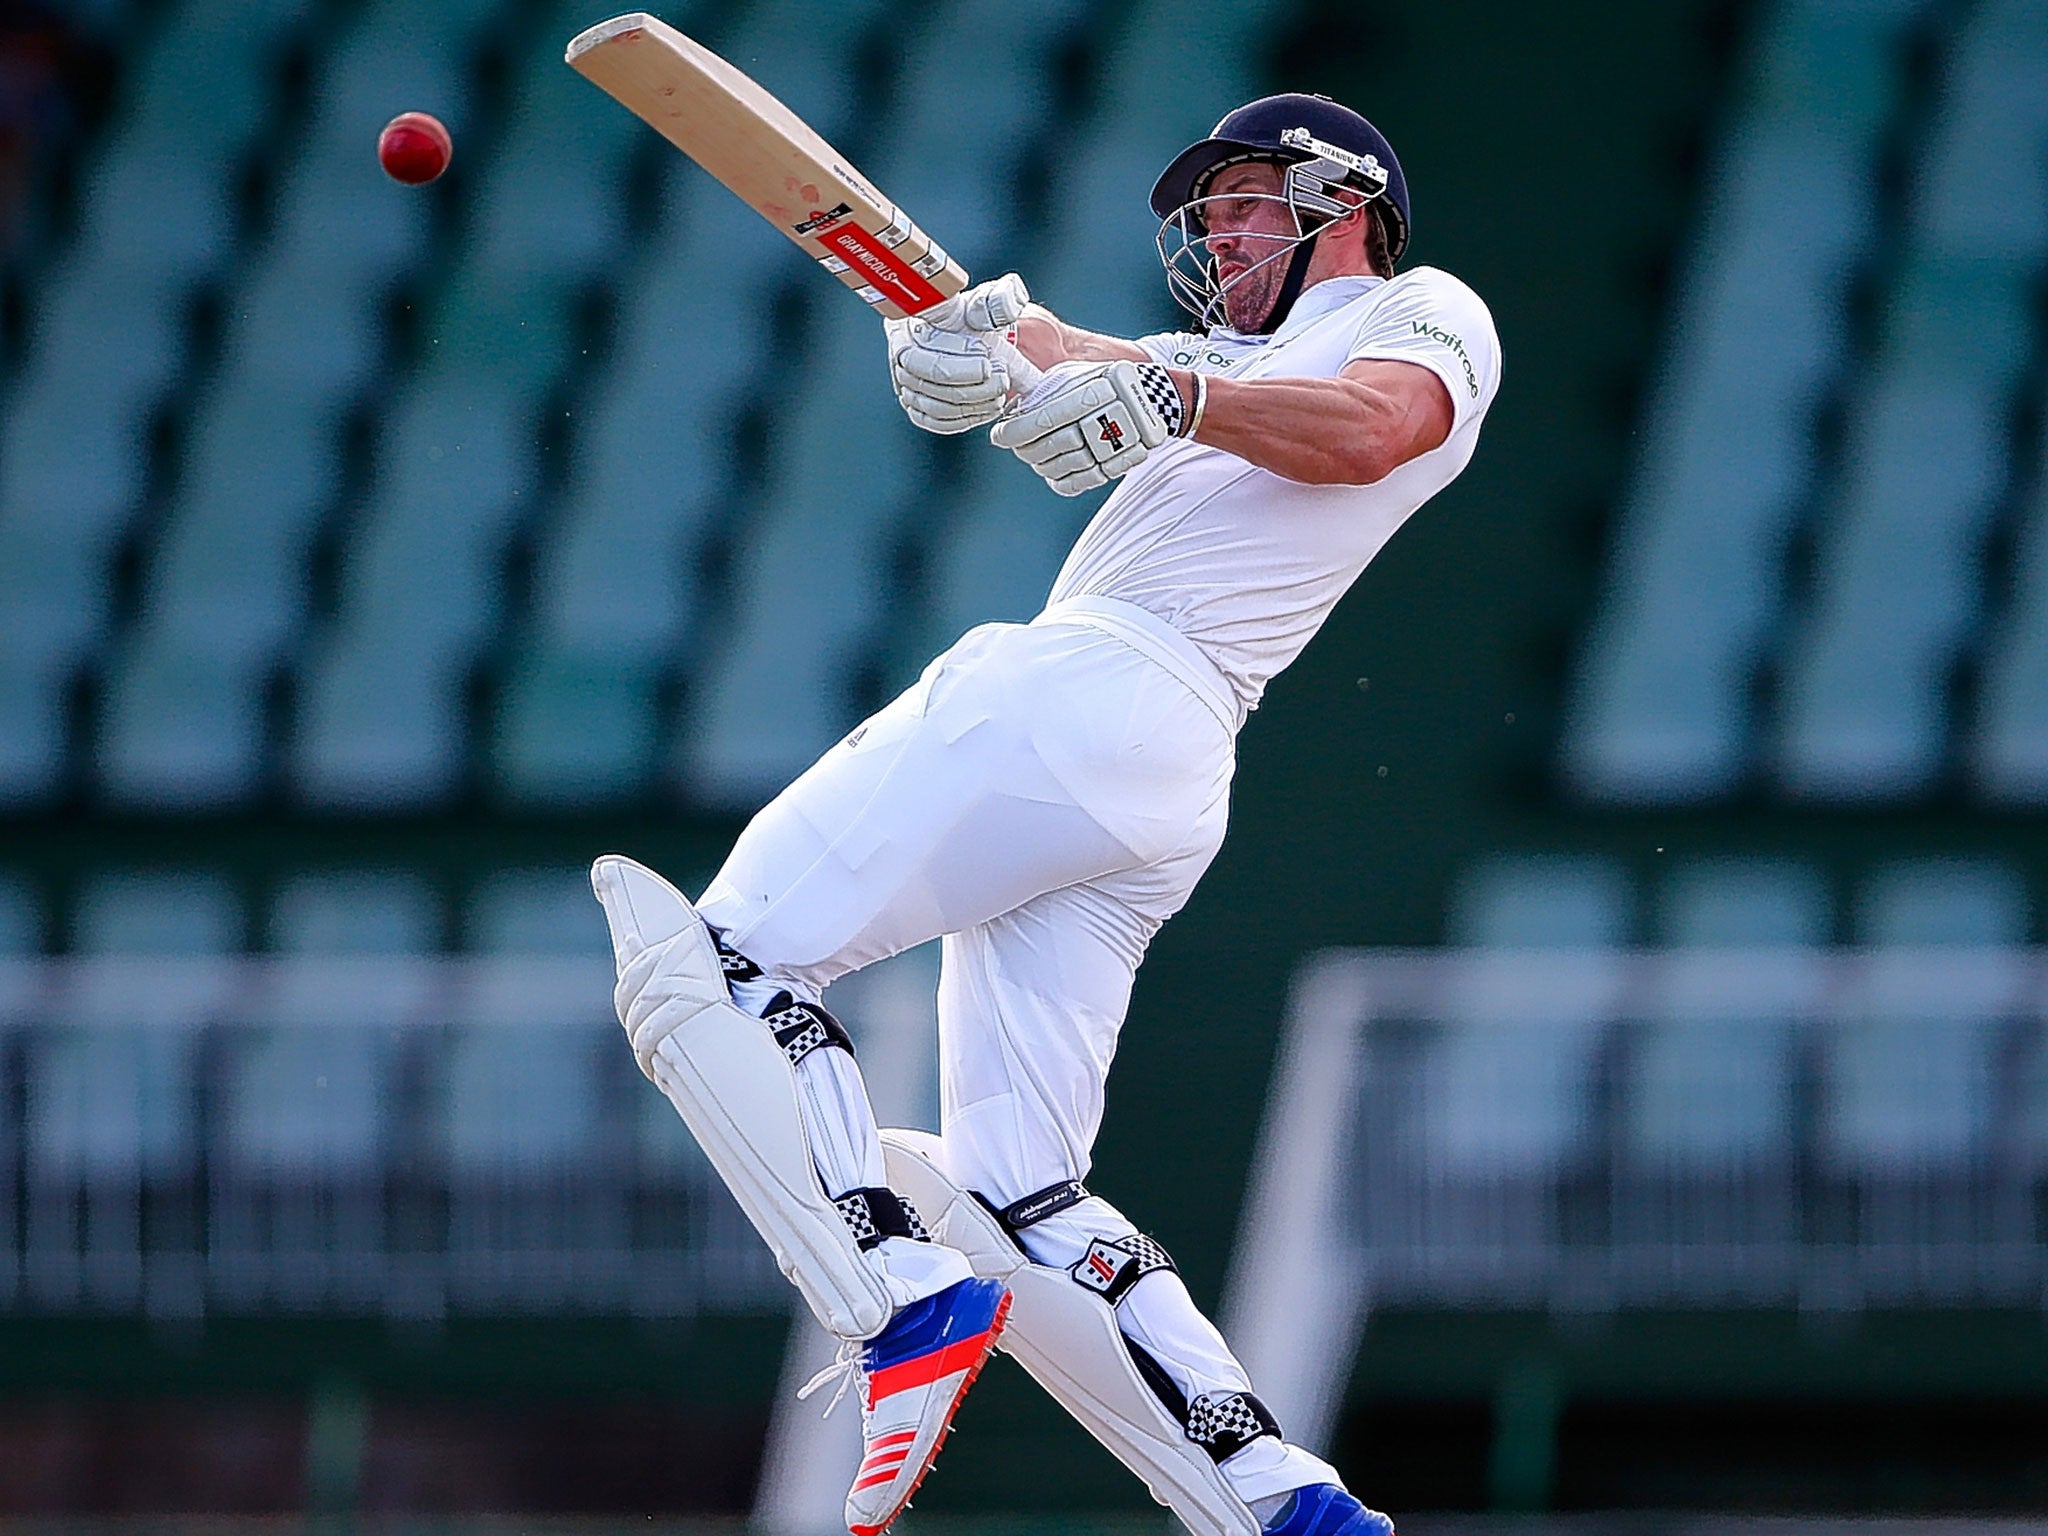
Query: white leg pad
x=734 y=1088
x=1068 y=1341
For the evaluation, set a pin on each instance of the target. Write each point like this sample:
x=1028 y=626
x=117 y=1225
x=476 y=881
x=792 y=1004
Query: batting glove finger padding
x=1085 y=424
x=942 y=416
x=995 y=305
x=947 y=381
x=949 y=358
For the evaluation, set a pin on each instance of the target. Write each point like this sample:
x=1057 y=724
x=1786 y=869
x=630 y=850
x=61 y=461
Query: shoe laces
x=845 y=1367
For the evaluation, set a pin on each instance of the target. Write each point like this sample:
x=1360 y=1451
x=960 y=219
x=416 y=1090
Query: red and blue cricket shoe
x=1324 y=1509
x=917 y=1370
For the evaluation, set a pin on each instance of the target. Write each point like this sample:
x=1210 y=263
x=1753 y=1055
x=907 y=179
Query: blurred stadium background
x=1632 y=902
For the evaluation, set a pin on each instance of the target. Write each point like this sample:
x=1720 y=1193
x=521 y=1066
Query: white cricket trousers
x=1044 y=797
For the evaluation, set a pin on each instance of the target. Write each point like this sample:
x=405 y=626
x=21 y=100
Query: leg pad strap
x=873 y=1214
x=1223 y=1425
x=1034 y=1208
x=1110 y=1269
x=800 y=1028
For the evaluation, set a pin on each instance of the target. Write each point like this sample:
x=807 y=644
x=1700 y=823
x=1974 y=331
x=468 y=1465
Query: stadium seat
x=359 y=912
x=225 y=600
x=1865 y=707
x=528 y=1096
x=183 y=721
x=381 y=717
x=2030 y=1129
x=519 y=1111
x=159 y=912
x=306 y=1116
x=108 y=342
x=108 y=1108
x=1943 y=901
x=2008 y=752
x=110 y=1096
x=1706 y=1087
x=1660 y=708
x=969 y=202
x=1865 y=699
x=1738 y=902
x=618 y=590
x=1506 y=1088
x=1909 y=1080
x=1506 y=1099
x=1710 y=1094
x=308 y=1105
x=520 y=1099
x=1908 y=1093
x=1507 y=1081
x=1708 y=1076
x=536 y=911
x=1541 y=901
x=577 y=726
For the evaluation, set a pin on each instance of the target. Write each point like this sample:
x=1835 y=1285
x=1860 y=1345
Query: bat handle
x=1024 y=374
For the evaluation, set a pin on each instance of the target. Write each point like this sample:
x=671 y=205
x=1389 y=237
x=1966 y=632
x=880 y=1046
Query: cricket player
x=1044 y=797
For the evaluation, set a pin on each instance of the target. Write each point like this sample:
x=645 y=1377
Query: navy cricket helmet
x=1331 y=141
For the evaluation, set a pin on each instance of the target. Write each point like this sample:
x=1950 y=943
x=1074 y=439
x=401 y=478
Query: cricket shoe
x=1324 y=1509
x=915 y=1373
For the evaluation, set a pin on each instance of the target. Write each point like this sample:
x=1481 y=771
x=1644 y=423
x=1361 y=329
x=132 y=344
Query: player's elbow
x=1382 y=435
x=1359 y=464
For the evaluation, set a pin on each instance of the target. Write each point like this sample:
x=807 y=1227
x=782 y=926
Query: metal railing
x=397 y=1136
x=1824 y=1130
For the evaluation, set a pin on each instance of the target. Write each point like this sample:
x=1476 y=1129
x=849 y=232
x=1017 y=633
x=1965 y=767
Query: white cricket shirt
x=1247 y=564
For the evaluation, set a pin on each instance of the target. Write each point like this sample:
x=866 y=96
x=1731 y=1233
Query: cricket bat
x=776 y=163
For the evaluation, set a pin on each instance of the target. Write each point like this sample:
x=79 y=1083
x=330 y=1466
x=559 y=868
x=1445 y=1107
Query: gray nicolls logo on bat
x=1112 y=432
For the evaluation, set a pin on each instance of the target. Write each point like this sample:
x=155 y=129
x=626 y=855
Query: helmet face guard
x=1333 y=161
x=1191 y=270
x=1312 y=203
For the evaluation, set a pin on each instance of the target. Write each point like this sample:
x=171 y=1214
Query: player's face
x=1248 y=222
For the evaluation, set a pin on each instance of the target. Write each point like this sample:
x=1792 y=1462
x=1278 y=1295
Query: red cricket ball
x=414 y=148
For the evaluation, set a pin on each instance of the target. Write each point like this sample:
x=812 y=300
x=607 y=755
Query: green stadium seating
x=1699 y=593
x=107 y=341
x=1661 y=707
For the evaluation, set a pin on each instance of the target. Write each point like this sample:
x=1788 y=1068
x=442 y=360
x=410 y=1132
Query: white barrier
x=1580 y=1130
x=364 y=1135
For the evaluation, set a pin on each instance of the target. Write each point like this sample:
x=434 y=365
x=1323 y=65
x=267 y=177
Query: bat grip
x=1024 y=374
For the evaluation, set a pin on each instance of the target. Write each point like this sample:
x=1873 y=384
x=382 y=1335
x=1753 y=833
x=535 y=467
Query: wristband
x=1201 y=404
x=1163 y=396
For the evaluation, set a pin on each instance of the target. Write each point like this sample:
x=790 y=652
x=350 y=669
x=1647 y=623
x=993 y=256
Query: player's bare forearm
x=1047 y=340
x=1355 y=429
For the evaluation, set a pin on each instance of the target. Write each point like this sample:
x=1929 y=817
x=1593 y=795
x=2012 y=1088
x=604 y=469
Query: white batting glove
x=949 y=365
x=1088 y=423
x=995 y=305
x=947 y=381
